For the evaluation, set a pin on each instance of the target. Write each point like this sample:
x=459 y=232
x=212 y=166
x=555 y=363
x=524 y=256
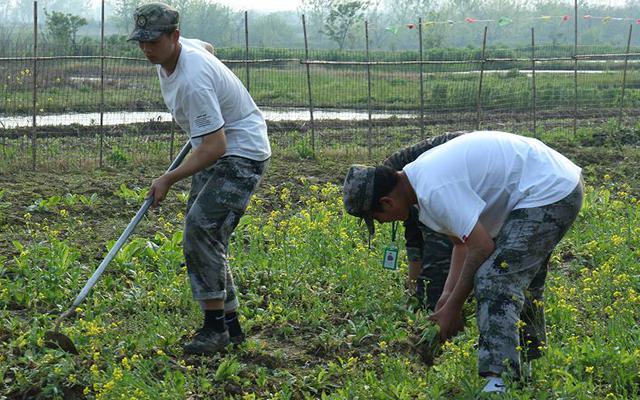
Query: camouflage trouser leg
x=436 y=260
x=509 y=285
x=218 y=198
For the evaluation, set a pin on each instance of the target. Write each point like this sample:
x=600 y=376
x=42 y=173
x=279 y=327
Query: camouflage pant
x=436 y=259
x=218 y=198
x=509 y=286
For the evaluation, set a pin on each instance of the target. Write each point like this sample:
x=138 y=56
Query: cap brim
x=143 y=35
x=368 y=219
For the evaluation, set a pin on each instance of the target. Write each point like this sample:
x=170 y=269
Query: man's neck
x=408 y=194
x=170 y=66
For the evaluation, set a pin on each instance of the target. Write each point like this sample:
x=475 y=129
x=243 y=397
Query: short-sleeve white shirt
x=203 y=96
x=485 y=175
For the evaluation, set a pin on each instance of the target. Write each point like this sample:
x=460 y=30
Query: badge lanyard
x=390 y=260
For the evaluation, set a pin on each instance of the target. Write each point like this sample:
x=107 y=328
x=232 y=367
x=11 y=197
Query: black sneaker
x=206 y=342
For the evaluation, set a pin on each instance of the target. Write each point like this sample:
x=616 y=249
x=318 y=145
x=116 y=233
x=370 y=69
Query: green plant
x=117 y=157
x=47 y=204
x=303 y=148
x=131 y=196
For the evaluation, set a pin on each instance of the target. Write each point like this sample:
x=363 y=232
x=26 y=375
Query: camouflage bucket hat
x=358 y=193
x=152 y=20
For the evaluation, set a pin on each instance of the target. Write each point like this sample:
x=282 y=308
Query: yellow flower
x=589 y=370
x=504 y=265
x=617 y=240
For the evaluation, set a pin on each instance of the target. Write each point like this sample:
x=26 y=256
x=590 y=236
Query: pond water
x=124 y=117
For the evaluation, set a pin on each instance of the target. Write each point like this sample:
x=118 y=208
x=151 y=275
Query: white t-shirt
x=203 y=96
x=194 y=43
x=483 y=176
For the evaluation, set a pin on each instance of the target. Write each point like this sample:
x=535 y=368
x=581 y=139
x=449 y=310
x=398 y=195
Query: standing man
x=230 y=154
x=429 y=252
x=505 y=201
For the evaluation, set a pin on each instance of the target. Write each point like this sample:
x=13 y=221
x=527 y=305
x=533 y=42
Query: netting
x=75 y=108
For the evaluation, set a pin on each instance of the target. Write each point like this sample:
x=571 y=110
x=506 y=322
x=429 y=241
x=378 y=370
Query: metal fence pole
x=624 y=75
x=421 y=79
x=370 y=133
x=101 y=87
x=534 y=98
x=35 y=85
x=172 y=138
x=482 y=62
x=246 y=49
x=306 y=58
x=575 y=69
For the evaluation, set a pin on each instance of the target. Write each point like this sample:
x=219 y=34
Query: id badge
x=390 y=260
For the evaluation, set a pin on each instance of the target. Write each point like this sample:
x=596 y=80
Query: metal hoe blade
x=55 y=339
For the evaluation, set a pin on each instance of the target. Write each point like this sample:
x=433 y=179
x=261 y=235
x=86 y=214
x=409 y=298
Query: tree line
x=72 y=25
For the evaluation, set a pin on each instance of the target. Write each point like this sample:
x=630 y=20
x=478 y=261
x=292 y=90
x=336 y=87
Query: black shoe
x=237 y=340
x=206 y=342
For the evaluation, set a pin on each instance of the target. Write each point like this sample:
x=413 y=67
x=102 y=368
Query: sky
x=282 y=5
x=286 y=5
x=263 y=5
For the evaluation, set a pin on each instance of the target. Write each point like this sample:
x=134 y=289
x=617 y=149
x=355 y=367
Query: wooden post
x=370 y=132
x=421 y=79
x=575 y=68
x=306 y=56
x=479 y=97
x=35 y=85
x=172 y=138
x=624 y=75
x=534 y=98
x=246 y=48
x=101 y=151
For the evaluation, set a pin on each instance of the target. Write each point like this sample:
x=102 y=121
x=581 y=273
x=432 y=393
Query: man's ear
x=386 y=202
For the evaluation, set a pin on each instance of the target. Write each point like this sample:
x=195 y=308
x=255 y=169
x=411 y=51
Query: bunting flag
x=506 y=21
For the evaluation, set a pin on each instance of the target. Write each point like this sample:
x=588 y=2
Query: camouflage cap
x=152 y=20
x=358 y=193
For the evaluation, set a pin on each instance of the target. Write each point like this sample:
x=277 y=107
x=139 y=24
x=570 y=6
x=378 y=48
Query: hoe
x=56 y=338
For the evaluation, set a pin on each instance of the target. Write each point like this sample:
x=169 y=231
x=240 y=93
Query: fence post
x=479 y=97
x=534 y=98
x=575 y=68
x=421 y=79
x=306 y=56
x=246 y=48
x=624 y=75
x=370 y=133
x=101 y=86
x=172 y=138
x=35 y=84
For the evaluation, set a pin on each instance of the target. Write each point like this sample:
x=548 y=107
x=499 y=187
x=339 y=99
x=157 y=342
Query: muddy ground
x=598 y=157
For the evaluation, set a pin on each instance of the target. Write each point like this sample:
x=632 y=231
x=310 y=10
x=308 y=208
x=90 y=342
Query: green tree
x=209 y=21
x=342 y=16
x=62 y=28
x=123 y=14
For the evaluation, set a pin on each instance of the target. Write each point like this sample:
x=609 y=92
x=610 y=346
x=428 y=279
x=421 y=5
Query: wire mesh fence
x=102 y=105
